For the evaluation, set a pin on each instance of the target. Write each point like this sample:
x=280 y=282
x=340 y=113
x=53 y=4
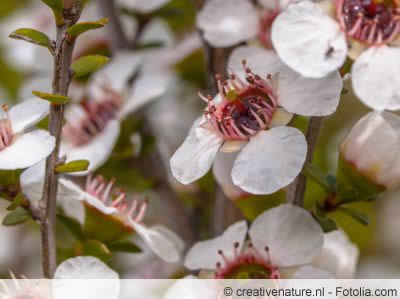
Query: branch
x=61 y=80
x=298 y=187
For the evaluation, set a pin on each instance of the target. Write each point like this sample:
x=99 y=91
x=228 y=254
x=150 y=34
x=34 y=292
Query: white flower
x=22 y=146
x=250 y=114
x=228 y=23
x=373 y=148
x=143 y=6
x=282 y=237
x=315 y=38
x=339 y=256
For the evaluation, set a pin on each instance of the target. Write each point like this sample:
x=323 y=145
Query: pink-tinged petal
x=27 y=150
x=227 y=23
x=204 y=255
x=376 y=78
x=290 y=233
x=308 y=40
x=194 y=157
x=270 y=161
x=27 y=114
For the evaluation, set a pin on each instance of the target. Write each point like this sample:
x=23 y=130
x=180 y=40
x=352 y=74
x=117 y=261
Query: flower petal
x=309 y=272
x=97 y=150
x=276 y=4
x=376 y=78
x=339 y=256
x=27 y=114
x=304 y=96
x=194 y=157
x=302 y=26
x=103 y=282
x=227 y=23
x=143 y=6
x=270 y=161
x=27 y=150
x=222 y=169
x=159 y=242
x=204 y=255
x=291 y=234
x=145 y=89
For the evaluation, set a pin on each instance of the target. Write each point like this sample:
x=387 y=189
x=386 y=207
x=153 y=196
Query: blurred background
x=140 y=160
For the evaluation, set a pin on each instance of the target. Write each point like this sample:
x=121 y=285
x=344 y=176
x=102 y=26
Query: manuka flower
x=22 y=146
x=283 y=237
x=250 y=115
x=315 y=38
x=227 y=23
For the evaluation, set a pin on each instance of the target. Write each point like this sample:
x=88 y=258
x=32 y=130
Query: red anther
x=244 y=61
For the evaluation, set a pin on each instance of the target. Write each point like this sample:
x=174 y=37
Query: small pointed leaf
x=73 y=226
x=73 y=166
x=314 y=172
x=18 y=200
x=32 y=36
x=80 y=28
x=88 y=64
x=97 y=249
x=124 y=246
x=52 y=98
x=54 y=4
x=356 y=215
x=17 y=216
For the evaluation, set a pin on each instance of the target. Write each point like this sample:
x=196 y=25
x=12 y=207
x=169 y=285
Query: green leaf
x=17 y=216
x=356 y=215
x=73 y=226
x=149 y=45
x=54 y=4
x=124 y=246
x=97 y=249
x=314 y=172
x=88 y=64
x=327 y=224
x=32 y=36
x=83 y=27
x=18 y=200
x=73 y=166
x=52 y=98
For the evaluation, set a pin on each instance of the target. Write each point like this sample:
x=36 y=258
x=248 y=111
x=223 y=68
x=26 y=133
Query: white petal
x=308 y=40
x=194 y=157
x=275 y=4
x=304 y=96
x=309 y=272
x=222 y=169
x=204 y=255
x=376 y=78
x=116 y=74
x=85 y=277
x=27 y=150
x=227 y=23
x=143 y=6
x=36 y=82
x=270 y=161
x=97 y=150
x=27 y=114
x=32 y=180
x=159 y=242
x=190 y=287
x=170 y=235
x=145 y=89
x=291 y=234
x=339 y=256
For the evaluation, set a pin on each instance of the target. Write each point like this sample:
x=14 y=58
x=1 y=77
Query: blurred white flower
x=22 y=146
x=250 y=115
x=378 y=267
x=143 y=6
x=315 y=38
x=282 y=237
x=339 y=256
x=227 y=23
x=372 y=148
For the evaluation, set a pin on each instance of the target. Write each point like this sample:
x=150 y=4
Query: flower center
x=246 y=107
x=103 y=190
x=6 y=133
x=373 y=22
x=97 y=115
x=247 y=264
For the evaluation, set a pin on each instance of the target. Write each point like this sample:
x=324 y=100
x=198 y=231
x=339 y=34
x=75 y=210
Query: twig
x=61 y=80
x=298 y=187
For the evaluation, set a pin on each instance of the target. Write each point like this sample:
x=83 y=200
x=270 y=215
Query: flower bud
x=370 y=154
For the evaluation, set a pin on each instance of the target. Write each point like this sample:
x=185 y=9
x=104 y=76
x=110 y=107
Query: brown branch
x=61 y=80
x=298 y=188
